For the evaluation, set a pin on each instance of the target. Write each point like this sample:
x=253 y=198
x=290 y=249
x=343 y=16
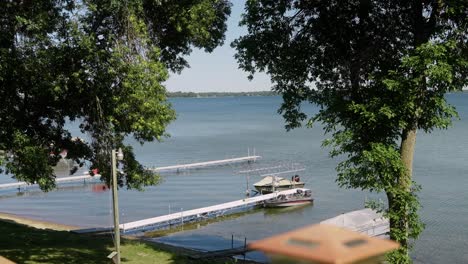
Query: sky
x=218 y=71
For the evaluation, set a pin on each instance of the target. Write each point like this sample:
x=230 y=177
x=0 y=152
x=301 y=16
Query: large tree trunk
x=397 y=204
x=408 y=141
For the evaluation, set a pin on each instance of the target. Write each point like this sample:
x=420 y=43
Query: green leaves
x=177 y=26
x=377 y=69
x=100 y=63
x=31 y=162
x=140 y=103
x=431 y=65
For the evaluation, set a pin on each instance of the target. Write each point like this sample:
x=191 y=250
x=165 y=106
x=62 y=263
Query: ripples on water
x=216 y=128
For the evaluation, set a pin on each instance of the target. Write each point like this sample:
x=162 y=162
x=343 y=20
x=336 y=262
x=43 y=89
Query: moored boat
x=270 y=184
x=301 y=197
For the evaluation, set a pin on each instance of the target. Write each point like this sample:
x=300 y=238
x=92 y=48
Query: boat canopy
x=277 y=181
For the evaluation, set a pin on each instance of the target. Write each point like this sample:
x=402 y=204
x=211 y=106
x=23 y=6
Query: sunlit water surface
x=217 y=128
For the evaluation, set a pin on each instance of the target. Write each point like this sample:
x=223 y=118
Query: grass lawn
x=24 y=244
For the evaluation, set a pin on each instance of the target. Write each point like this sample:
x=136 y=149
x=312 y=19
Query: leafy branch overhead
x=101 y=64
x=378 y=70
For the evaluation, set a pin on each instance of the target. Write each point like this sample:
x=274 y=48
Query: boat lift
x=274 y=170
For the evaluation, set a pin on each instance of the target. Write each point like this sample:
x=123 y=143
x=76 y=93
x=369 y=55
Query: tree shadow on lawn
x=144 y=252
x=24 y=244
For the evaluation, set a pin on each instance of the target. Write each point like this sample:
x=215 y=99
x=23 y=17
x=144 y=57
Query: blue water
x=216 y=128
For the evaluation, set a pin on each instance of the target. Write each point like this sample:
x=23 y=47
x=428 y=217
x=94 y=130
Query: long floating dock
x=193 y=215
x=205 y=164
x=159 y=169
x=58 y=180
x=198 y=214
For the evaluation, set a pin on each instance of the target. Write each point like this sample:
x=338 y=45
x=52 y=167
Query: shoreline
x=36 y=223
x=41 y=224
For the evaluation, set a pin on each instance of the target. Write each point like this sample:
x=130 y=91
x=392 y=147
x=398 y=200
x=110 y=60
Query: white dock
x=160 y=169
x=365 y=221
x=205 y=164
x=198 y=214
x=15 y=185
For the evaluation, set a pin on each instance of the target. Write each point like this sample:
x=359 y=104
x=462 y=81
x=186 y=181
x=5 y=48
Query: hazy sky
x=217 y=71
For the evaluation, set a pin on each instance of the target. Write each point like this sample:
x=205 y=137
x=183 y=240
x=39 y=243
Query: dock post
x=245 y=247
x=232 y=240
x=181 y=216
x=115 y=205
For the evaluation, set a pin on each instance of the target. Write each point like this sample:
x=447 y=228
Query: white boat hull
x=288 y=203
x=300 y=197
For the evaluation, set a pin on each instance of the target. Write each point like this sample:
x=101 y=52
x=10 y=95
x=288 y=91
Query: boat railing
x=381 y=225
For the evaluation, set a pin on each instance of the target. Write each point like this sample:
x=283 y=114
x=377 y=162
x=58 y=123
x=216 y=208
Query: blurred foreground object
x=324 y=244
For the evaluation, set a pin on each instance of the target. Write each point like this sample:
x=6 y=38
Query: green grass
x=23 y=244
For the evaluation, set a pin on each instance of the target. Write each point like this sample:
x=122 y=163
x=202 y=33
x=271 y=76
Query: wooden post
x=245 y=246
x=115 y=203
x=248 y=190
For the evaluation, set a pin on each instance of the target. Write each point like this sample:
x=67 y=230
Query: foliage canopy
x=379 y=71
x=101 y=64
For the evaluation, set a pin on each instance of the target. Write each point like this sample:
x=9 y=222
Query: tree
x=101 y=64
x=379 y=71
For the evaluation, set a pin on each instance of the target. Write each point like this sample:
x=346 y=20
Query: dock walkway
x=16 y=185
x=205 y=164
x=193 y=215
x=198 y=214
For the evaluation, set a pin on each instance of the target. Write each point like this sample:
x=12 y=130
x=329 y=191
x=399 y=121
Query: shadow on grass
x=25 y=244
x=142 y=252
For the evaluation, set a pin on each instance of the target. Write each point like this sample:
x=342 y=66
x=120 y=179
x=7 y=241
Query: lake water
x=217 y=128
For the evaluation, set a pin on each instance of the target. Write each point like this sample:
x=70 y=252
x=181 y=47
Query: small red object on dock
x=99 y=188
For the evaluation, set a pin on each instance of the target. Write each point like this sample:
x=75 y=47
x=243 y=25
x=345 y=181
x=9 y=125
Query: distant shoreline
x=232 y=94
x=218 y=94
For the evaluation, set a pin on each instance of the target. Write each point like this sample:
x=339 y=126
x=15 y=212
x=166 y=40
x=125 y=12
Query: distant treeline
x=220 y=94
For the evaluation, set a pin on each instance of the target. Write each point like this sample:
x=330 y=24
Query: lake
x=218 y=128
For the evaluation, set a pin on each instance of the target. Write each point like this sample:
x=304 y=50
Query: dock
x=180 y=167
x=17 y=185
x=366 y=221
x=230 y=252
x=198 y=214
x=193 y=215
